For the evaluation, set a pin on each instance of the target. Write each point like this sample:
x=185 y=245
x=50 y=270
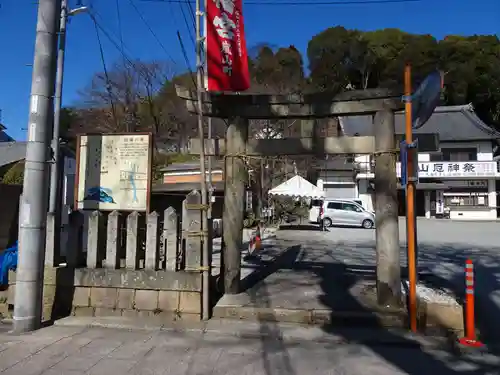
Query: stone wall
x=105 y=292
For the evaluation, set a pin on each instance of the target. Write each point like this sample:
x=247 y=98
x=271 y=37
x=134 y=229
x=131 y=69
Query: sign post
x=410 y=205
x=404 y=163
x=418 y=109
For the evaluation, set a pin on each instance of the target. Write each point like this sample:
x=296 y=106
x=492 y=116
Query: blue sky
x=277 y=25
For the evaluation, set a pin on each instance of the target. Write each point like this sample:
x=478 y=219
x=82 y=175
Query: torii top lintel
x=315 y=105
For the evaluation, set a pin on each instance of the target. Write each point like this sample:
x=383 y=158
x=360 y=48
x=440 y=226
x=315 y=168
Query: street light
x=54 y=200
x=76 y=11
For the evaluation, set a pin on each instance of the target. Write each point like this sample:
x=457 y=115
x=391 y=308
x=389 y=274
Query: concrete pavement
x=78 y=351
x=269 y=348
x=318 y=277
x=444 y=246
x=268 y=235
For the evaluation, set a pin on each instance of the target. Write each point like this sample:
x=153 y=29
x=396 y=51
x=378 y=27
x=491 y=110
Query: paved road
x=444 y=245
x=70 y=351
x=443 y=248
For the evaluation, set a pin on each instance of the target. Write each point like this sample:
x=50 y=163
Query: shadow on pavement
x=443 y=267
x=270 y=332
x=486 y=280
x=406 y=355
x=305 y=227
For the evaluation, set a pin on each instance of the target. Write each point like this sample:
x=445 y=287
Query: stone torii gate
x=238 y=109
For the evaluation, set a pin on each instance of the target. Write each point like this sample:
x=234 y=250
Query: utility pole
x=33 y=210
x=209 y=167
x=55 y=168
x=261 y=191
x=203 y=180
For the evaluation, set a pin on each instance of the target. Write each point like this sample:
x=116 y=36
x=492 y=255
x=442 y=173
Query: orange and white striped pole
x=470 y=325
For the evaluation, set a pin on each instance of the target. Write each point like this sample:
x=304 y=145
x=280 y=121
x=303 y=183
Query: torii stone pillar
x=386 y=211
x=238 y=109
x=234 y=202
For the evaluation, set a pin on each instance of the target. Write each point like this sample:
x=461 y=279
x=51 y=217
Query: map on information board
x=114 y=172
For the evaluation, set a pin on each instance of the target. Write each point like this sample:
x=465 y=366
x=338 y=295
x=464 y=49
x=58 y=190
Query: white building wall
x=472 y=215
x=362 y=159
x=484 y=153
x=484 y=149
x=364 y=195
x=492 y=198
x=422 y=158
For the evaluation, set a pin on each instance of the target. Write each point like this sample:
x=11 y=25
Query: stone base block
x=111 y=293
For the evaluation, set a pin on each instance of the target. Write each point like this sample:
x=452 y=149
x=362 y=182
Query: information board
x=114 y=172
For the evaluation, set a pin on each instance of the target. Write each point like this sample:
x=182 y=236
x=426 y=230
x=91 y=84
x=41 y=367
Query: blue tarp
x=8 y=261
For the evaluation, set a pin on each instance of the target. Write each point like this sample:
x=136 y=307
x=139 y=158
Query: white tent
x=297 y=187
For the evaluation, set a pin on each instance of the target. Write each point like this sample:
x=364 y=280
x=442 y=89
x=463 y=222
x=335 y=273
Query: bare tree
x=125 y=98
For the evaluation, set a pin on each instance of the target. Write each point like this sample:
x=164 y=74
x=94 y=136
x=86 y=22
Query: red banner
x=227 y=61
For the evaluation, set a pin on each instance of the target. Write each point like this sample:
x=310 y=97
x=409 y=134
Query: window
x=358 y=201
x=316 y=203
x=436 y=157
x=350 y=207
x=334 y=205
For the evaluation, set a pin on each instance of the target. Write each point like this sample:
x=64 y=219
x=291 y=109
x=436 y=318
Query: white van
x=341 y=212
x=315 y=205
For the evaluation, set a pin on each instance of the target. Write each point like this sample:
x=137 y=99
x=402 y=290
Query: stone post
x=386 y=211
x=152 y=254
x=132 y=253
x=113 y=241
x=170 y=239
x=193 y=236
x=234 y=202
x=94 y=259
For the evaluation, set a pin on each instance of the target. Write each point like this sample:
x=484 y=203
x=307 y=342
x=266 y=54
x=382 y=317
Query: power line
x=303 y=3
x=126 y=74
x=117 y=46
x=186 y=22
x=193 y=17
x=141 y=16
x=121 y=48
x=120 y=31
x=186 y=59
x=172 y=14
x=108 y=85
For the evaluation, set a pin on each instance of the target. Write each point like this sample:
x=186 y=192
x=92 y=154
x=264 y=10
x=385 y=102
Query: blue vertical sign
x=403 y=156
